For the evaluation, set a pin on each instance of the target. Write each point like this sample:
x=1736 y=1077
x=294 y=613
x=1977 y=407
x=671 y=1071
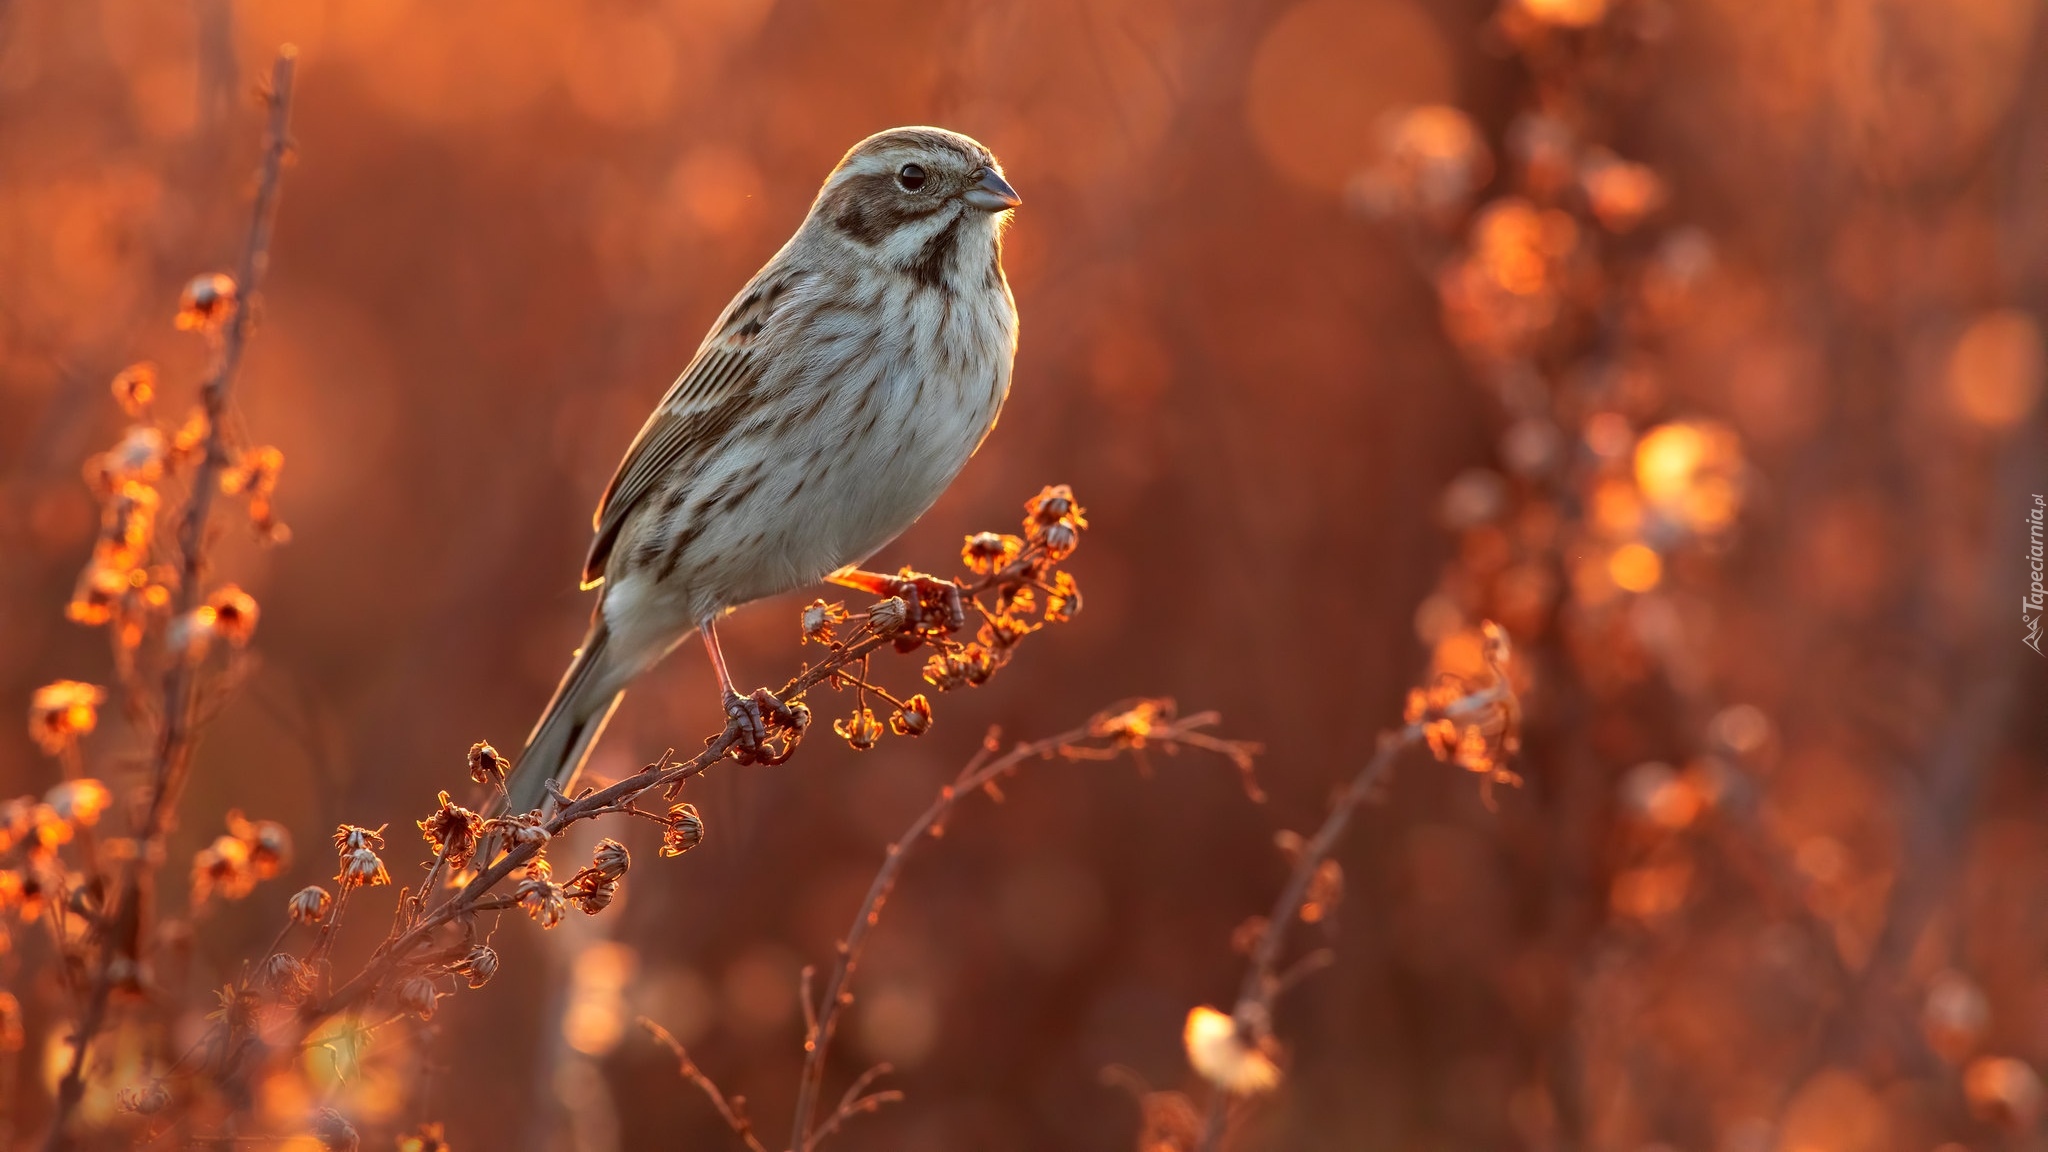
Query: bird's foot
x=768 y=729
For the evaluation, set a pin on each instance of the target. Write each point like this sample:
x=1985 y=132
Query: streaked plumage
x=827 y=409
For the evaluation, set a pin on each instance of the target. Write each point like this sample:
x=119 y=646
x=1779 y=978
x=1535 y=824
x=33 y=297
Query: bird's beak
x=991 y=193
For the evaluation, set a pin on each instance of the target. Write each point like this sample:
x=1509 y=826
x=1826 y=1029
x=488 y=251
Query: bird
x=831 y=404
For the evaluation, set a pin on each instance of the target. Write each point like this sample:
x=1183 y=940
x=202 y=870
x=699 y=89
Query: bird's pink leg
x=927 y=596
x=751 y=711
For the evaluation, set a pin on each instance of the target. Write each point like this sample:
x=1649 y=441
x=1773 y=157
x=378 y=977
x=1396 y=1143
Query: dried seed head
x=79 y=802
x=595 y=894
x=362 y=867
x=234 y=614
x=915 y=717
x=223 y=867
x=486 y=767
x=889 y=616
x=61 y=712
x=818 y=618
x=284 y=976
x=135 y=388
x=309 y=905
x=452 y=831
x=860 y=730
x=685 y=830
x=350 y=837
x=989 y=552
x=611 y=859
x=207 y=302
x=478 y=967
x=269 y=843
x=1224 y=1054
x=334 y=1132
x=417 y=995
x=145 y=1099
x=543 y=900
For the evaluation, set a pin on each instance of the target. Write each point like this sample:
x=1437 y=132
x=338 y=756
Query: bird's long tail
x=571 y=725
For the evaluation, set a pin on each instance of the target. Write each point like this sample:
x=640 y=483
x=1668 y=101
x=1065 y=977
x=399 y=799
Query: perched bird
x=830 y=405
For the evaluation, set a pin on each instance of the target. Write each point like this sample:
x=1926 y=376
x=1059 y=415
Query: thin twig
x=1126 y=728
x=121 y=939
x=734 y=1110
x=1263 y=982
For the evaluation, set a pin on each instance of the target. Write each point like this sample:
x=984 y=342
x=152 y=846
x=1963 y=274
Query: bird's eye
x=911 y=177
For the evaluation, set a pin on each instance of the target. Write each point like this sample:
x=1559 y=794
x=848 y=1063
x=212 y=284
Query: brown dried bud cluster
x=357 y=848
x=1476 y=726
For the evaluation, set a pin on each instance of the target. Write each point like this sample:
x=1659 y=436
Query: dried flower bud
x=452 y=831
x=135 y=388
x=915 y=717
x=309 y=905
x=234 y=614
x=1225 y=1055
x=362 y=867
x=611 y=859
x=685 y=830
x=1059 y=539
x=543 y=900
x=889 y=616
x=207 y=302
x=1064 y=601
x=595 y=895
x=334 y=1132
x=145 y=1099
x=223 y=867
x=284 y=976
x=61 y=712
x=79 y=802
x=860 y=730
x=818 y=618
x=989 y=552
x=478 y=967
x=349 y=837
x=486 y=767
x=1053 y=503
x=269 y=843
x=418 y=996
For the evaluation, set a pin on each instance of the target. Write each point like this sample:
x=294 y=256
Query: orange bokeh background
x=509 y=223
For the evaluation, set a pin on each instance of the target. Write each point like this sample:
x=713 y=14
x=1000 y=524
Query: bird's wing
x=694 y=412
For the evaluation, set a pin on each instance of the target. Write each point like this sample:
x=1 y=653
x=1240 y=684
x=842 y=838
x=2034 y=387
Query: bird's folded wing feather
x=692 y=416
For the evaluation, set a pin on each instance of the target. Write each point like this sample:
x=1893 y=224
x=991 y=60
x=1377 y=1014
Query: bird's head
x=904 y=191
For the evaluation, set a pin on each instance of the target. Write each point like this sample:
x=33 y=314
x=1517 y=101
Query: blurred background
x=1699 y=343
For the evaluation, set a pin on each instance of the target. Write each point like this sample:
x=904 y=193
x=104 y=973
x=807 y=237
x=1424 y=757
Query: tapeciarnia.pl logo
x=2032 y=604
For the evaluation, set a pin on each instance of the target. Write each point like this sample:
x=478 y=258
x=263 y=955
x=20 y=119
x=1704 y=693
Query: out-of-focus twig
x=120 y=934
x=1264 y=981
x=1130 y=727
x=732 y=1109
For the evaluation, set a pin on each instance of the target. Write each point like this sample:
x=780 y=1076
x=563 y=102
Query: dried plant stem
x=1264 y=981
x=733 y=1110
x=120 y=934
x=1099 y=738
